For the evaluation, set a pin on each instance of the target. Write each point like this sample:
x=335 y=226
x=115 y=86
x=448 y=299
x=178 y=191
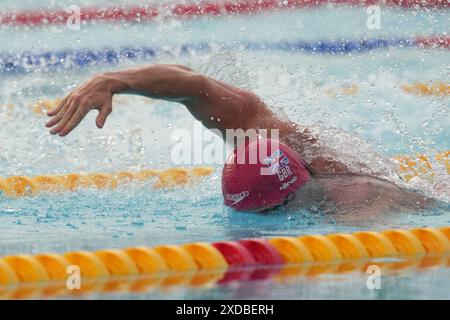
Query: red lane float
x=237 y=256
x=264 y=254
x=262 y=251
x=234 y=253
x=434 y=41
x=181 y=10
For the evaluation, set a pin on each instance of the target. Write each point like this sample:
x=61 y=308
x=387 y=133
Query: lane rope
x=206 y=264
x=420 y=165
x=26 y=62
x=408 y=166
x=423 y=89
x=42 y=106
x=427 y=89
x=19 y=186
x=151 y=11
x=436 y=88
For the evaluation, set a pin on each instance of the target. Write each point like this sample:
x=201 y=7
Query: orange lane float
x=376 y=244
x=296 y=257
x=27 y=268
x=344 y=90
x=117 y=262
x=179 y=262
x=147 y=260
x=446 y=232
x=210 y=262
x=41 y=107
x=433 y=240
x=91 y=266
x=22 y=185
x=206 y=256
x=7 y=273
x=405 y=242
x=324 y=252
x=423 y=89
x=291 y=250
x=351 y=249
x=427 y=89
x=321 y=248
x=54 y=264
x=421 y=165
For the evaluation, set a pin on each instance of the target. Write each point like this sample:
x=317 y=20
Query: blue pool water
x=138 y=135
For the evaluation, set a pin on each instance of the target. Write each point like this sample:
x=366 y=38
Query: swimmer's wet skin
x=221 y=106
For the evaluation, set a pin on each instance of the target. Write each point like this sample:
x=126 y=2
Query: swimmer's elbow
x=190 y=85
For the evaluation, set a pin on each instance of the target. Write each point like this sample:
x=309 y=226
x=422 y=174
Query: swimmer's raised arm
x=214 y=103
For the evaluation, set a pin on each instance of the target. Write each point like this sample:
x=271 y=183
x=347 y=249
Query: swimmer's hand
x=96 y=93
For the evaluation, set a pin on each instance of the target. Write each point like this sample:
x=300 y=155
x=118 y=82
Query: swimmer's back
x=355 y=191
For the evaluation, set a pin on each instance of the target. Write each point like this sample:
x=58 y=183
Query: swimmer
x=300 y=174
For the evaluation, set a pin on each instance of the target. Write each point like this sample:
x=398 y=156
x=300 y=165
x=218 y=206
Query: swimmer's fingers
x=79 y=114
x=105 y=111
x=53 y=121
x=58 y=116
x=67 y=115
x=54 y=111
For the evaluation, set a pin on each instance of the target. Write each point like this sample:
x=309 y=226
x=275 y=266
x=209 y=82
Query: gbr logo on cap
x=284 y=173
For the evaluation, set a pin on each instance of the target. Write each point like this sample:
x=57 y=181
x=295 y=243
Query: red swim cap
x=261 y=174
